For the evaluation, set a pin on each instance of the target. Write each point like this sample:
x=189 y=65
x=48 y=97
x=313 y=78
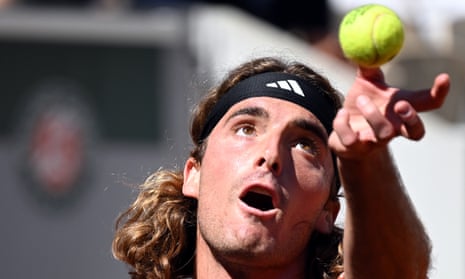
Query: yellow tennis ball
x=371 y=35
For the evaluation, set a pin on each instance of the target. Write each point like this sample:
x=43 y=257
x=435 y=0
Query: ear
x=325 y=221
x=190 y=186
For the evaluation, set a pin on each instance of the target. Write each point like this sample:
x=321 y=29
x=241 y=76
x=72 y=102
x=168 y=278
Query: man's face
x=264 y=182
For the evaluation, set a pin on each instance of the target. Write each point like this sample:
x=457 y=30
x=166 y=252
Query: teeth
x=261 y=191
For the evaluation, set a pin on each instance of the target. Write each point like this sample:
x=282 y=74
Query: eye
x=246 y=130
x=307 y=145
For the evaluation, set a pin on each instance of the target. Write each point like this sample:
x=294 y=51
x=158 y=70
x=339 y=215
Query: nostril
x=275 y=167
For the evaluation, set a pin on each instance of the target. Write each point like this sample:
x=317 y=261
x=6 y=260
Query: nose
x=270 y=158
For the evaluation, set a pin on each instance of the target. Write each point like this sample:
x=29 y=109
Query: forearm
x=383 y=236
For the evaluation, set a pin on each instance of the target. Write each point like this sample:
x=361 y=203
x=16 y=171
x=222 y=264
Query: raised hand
x=374 y=113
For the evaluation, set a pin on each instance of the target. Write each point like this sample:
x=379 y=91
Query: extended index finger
x=428 y=99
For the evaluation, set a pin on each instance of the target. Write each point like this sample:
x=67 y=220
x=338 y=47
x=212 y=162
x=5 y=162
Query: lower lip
x=257 y=212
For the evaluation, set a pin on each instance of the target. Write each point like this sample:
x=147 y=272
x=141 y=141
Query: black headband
x=279 y=85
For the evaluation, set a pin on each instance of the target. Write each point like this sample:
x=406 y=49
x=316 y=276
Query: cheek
x=313 y=184
x=220 y=165
x=226 y=156
x=315 y=188
x=319 y=174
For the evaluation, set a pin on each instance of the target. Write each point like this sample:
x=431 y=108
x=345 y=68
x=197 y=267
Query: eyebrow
x=252 y=111
x=311 y=127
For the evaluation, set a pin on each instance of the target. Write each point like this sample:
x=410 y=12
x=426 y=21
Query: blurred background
x=96 y=95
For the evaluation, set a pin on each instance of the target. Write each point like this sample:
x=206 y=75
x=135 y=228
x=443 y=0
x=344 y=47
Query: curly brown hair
x=156 y=235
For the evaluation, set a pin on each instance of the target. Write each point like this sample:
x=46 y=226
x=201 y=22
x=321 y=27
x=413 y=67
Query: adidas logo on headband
x=290 y=85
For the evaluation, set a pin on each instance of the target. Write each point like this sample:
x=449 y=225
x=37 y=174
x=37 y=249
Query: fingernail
x=405 y=111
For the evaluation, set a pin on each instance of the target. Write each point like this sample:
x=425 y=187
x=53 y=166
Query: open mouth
x=258 y=200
